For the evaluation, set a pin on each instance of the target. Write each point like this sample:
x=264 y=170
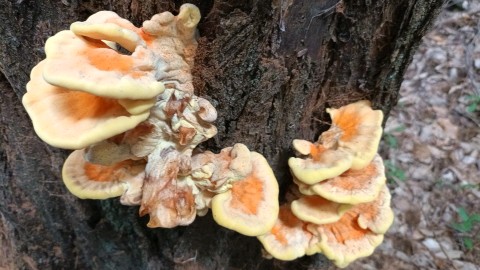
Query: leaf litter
x=432 y=145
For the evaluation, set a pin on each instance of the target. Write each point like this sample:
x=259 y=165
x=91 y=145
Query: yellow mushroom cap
x=250 y=207
x=107 y=25
x=355 y=127
x=321 y=164
x=188 y=17
x=289 y=239
x=184 y=27
x=377 y=216
x=73 y=119
x=354 y=186
x=92 y=181
x=89 y=65
x=315 y=209
x=357 y=233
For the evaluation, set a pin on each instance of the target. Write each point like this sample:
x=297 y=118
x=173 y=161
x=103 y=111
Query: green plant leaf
x=475 y=218
x=400 y=128
x=468 y=243
x=391 y=140
x=472 y=107
x=393 y=172
x=462 y=227
x=462 y=213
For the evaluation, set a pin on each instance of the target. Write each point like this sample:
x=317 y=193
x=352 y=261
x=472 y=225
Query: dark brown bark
x=270 y=68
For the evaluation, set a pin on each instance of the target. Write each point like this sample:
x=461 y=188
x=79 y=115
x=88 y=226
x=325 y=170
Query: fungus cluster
x=122 y=98
x=340 y=204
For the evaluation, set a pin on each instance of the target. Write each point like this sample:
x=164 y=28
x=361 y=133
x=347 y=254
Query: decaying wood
x=269 y=68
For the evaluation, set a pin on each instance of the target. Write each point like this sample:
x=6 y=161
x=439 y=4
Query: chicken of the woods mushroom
x=340 y=204
x=134 y=120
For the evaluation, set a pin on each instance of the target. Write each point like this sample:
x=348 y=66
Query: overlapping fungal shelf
x=134 y=121
x=340 y=204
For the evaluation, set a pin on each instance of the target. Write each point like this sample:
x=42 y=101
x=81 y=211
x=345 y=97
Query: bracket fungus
x=250 y=205
x=340 y=205
x=92 y=181
x=123 y=97
x=352 y=186
x=289 y=238
x=75 y=119
x=322 y=163
x=357 y=128
x=357 y=233
x=350 y=143
x=318 y=210
x=135 y=123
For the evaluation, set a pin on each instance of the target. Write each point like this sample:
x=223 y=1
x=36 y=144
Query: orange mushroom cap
x=356 y=128
x=91 y=66
x=321 y=163
x=289 y=239
x=315 y=209
x=92 y=181
x=108 y=26
x=73 y=119
x=357 y=233
x=250 y=206
x=354 y=186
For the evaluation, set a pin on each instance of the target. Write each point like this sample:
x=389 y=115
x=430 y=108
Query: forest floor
x=431 y=148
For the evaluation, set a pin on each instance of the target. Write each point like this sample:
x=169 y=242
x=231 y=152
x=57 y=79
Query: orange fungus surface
x=81 y=105
x=286 y=222
x=346 y=228
x=109 y=60
x=355 y=179
x=247 y=194
x=279 y=234
x=315 y=201
x=348 y=122
x=316 y=151
x=105 y=173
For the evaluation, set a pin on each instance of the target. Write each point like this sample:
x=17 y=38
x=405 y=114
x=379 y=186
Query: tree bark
x=269 y=67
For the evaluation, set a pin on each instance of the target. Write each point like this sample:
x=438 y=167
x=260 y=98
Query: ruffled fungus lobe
x=289 y=238
x=315 y=209
x=213 y=174
x=173 y=39
x=178 y=123
x=352 y=186
x=356 y=128
x=341 y=198
x=86 y=91
x=321 y=163
x=350 y=143
x=92 y=181
x=73 y=119
x=249 y=204
x=91 y=66
x=357 y=233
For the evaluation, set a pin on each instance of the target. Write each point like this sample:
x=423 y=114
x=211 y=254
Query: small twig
x=191 y=259
x=468 y=116
x=321 y=121
x=326 y=11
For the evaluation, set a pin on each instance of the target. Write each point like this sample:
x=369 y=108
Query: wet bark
x=270 y=68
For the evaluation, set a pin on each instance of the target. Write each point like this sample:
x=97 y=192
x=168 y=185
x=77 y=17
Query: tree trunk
x=270 y=69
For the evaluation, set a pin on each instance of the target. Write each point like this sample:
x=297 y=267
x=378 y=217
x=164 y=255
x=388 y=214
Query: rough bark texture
x=270 y=67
